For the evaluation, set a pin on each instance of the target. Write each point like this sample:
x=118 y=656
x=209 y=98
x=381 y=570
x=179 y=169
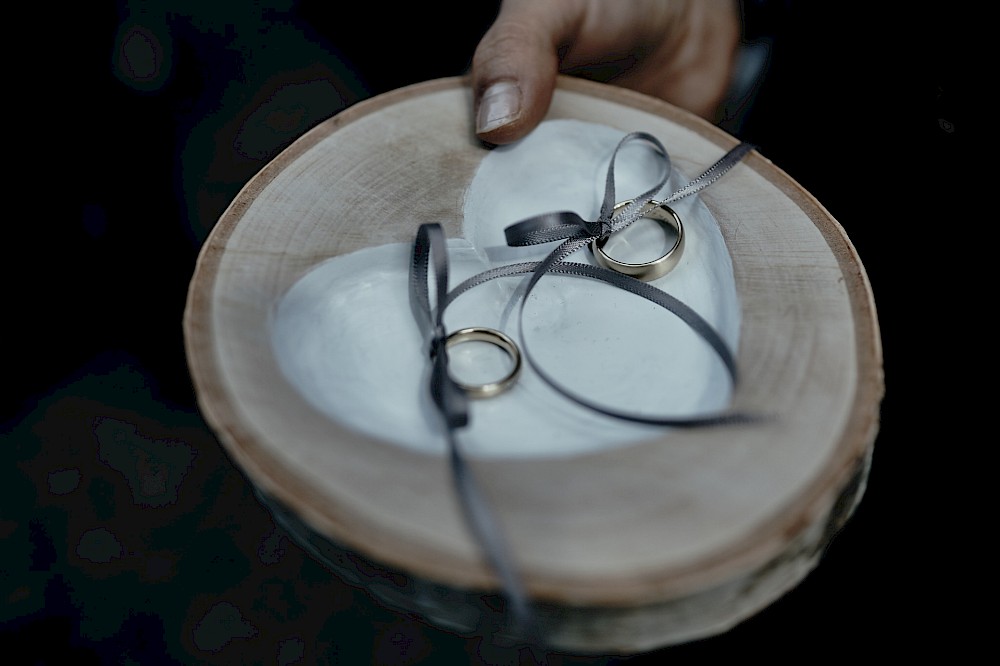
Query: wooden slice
x=623 y=549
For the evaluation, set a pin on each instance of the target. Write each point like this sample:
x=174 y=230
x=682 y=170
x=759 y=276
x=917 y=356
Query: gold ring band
x=497 y=339
x=648 y=270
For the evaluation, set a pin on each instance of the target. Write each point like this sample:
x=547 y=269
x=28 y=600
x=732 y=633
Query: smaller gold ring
x=497 y=339
x=648 y=270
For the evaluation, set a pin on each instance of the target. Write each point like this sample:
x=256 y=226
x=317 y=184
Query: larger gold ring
x=649 y=270
x=497 y=339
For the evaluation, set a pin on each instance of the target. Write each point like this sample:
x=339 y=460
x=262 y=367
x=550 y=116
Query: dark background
x=130 y=538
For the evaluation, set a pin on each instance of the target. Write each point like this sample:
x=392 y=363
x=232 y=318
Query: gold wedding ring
x=497 y=339
x=648 y=270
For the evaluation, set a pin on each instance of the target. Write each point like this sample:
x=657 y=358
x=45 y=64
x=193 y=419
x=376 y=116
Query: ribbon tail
x=712 y=173
x=452 y=402
x=483 y=522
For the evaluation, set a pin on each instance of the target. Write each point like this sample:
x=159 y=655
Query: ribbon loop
x=452 y=403
x=546 y=228
x=568 y=225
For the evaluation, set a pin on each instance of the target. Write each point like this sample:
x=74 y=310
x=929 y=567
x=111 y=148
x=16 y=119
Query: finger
x=515 y=66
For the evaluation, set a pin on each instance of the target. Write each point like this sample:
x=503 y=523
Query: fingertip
x=513 y=74
x=507 y=110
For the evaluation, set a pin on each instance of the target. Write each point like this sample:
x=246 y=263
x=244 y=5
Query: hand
x=682 y=51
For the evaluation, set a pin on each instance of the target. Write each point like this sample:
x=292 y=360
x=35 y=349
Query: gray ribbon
x=453 y=407
x=430 y=249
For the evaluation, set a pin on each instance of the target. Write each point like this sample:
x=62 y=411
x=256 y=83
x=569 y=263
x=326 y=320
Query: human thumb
x=513 y=76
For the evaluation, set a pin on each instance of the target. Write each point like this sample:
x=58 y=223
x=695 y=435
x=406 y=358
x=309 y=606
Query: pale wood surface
x=696 y=515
